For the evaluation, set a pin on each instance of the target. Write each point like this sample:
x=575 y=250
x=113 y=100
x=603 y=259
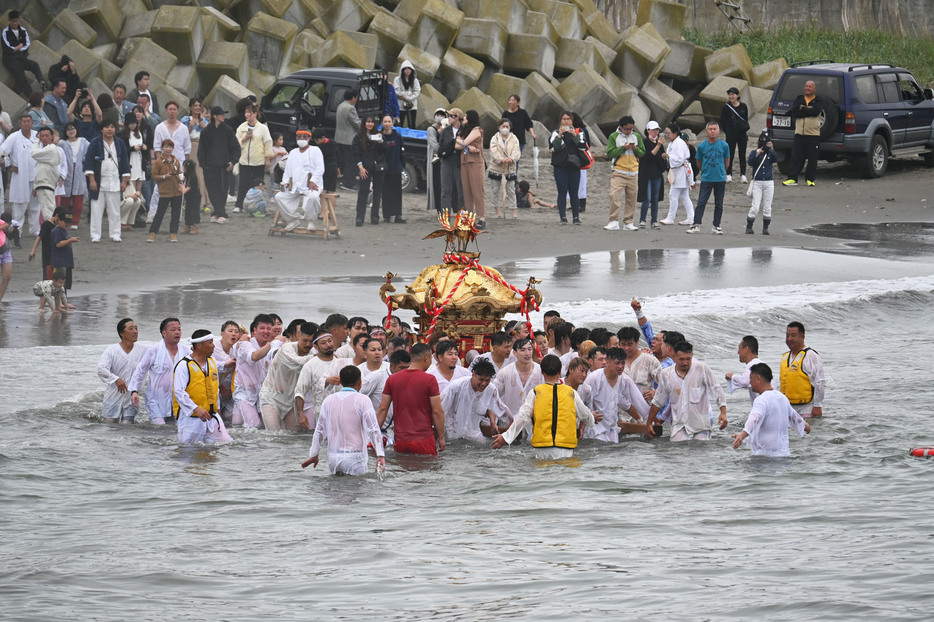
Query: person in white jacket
x=680 y=176
x=408 y=89
x=303 y=180
x=501 y=174
x=115 y=369
x=48 y=177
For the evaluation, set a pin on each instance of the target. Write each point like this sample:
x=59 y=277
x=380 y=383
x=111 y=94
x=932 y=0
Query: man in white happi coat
x=642 y=367
x=179 y=133
x=500 y=353
x=766 y=429
x=300 y=200
x=688 y=386
x=348 y=422
x=317 y=380
x=48 y=174
x=613 y=393
x=158 y=363
x=471 y=402
x=276 y=398
x=115 y=369
x=17 y=153
x=447 y=367
x=195 y=398
x=253 y=357
x=748 y=352
x=516 y=380
x=374 y=381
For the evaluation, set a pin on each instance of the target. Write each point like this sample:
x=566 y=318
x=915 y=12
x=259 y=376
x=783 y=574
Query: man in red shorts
x=418 y=418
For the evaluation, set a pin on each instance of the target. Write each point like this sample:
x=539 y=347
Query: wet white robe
x=465 y=409
x=116 y=364
x=193 y=429
x=158 y=364
x=690 y=398
x=767 y=426
x=278 y=389
x=613 y=402
x=459 y=372
x=298 y=203
x=741 y=381
x=644 y=371
x=348 y=422
x=512 y=390
x=523 y=421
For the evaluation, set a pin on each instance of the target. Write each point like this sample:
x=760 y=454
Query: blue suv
x=874 y=112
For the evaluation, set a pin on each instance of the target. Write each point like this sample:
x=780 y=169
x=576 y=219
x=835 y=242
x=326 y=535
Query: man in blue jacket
x=107 y=165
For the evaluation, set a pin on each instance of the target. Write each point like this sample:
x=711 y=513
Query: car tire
x=831 y=116
x=928 y=159
x=877 y=160
x=784 y=162
x=410 y=178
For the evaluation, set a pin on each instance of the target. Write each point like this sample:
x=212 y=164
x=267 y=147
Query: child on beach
x=526 y=199
x=278 y=152
x=53 y=293
x=192 y=198
x=45 y=238
x=329 y=152
x=6 y=252
x=255 y=200
x=62 y=256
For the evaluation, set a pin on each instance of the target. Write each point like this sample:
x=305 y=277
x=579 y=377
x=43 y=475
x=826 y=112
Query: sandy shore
x=242 y=248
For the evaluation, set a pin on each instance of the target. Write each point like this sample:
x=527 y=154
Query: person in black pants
x=368 y=156
x=806 y=111
x=734 y=120
x=329 y=152
x=15 y=43
x=218 y=151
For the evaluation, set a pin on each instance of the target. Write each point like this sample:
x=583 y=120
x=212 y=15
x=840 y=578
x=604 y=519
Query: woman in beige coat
x=470 y=139
x=501 y=177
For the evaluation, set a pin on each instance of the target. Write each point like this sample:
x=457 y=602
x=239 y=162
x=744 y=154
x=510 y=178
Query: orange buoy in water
x=922 y=452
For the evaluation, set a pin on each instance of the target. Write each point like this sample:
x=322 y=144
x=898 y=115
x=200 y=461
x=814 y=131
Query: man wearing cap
x=300 y=199
x=734 y=121
x=158 y=363
x=195 y=397
x=624 y=148
x=218 y=151
x=347 y=124
x=15 y=42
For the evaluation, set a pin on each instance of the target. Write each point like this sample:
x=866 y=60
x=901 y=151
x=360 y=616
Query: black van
x=877 y=112
x=310 y=98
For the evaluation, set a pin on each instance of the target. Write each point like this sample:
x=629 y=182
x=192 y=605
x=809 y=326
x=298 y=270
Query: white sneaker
x=149 y=220
x=693 y=229
x=231 y=198
x=642 y=224
x=666 y=221
x=630 y=227
x=686 y=222
x=743 y=179
x=717 y=231
x=236 y=210
x=729 y=178
x=292 y=225
x=655 y=225
x=613 y=225
x=73 y=227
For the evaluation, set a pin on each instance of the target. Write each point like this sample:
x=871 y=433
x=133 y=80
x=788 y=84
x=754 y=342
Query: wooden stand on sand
x=329 y=224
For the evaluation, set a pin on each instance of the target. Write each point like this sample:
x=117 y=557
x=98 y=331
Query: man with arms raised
x=469 y=403
x=553 y=410
x=158 y=362
x=276 y=398
x=115 y=369
x=801 y=376
x=689 y=385
x=348 y=423
x=748 y=352
x=195 y=398
x=253 y=359
x=418 y=416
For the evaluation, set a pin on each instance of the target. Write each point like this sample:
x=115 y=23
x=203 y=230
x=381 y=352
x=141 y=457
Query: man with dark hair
x=253 y=358
x=331 y=158
x=801 y=375
x=17 y=149
x=336 y=324
x=516 y=380
x=579 y=336
x=347 y=124
x=50 y=171
x=158 y=362
x=15 y=42
x=553 y=409
x=713 y=156
x=624 y=149
x=547 y=316
x=807 y=111
x=689 y=385
x=115 y=369
x=468 y=401
x=500 y=353
x=142 y=88
x=55 y=106
x=447 y=367
x=643 y=368
x=612 y=394
x=107 y=167
x=276 y=398
x=375 y=382
x=319 y=379
x=218 y=151
x=195 y=397
x=597 y=358
x=418 y=417
x=767 y=425
x=748 y=352
x=562 y=348
x=347 y=421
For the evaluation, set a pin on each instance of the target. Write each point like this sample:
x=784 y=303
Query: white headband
x=209 y=336
x=319 y=337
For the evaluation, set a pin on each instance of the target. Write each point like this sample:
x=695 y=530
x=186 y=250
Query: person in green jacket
x=624 y=148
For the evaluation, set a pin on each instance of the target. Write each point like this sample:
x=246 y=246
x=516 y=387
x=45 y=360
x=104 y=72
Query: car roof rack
x=876 y=66
x=814 y=62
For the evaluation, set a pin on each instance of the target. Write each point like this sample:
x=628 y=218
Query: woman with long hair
x=565 y=143
x=76 y=184
x=368 y=154
x=470 y=139
x=196 y=120
x=408 y=89
x=394 y=162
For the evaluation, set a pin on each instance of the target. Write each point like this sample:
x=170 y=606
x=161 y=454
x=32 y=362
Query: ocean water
x=119 y=522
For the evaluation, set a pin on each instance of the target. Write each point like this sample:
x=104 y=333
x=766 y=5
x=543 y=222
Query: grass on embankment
x=797 y=45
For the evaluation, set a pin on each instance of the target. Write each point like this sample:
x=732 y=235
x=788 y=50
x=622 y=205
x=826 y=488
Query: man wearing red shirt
x=418 y=418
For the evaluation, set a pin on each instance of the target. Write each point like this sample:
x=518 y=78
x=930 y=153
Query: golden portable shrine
x=459 y=296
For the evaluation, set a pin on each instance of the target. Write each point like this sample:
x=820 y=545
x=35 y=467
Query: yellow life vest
x=796 y=384
x=554 y=417
x=202 y=388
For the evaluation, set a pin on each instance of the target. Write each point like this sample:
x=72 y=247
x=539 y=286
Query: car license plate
x=781 y=121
